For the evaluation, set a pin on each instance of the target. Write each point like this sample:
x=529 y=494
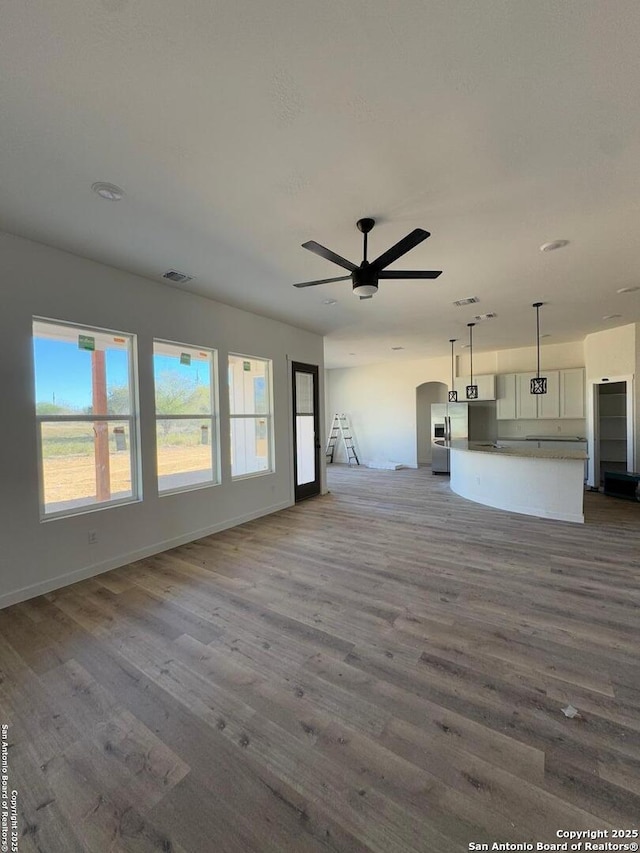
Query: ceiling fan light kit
x=365 y=277
x=538 y=384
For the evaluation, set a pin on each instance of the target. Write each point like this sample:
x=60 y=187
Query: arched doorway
x=427 y=394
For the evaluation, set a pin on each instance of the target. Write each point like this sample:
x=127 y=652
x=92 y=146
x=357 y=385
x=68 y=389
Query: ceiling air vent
x=488 y=316
x=468 y=301
x=177 y=277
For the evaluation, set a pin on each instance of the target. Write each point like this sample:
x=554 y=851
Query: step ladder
x=340 y=429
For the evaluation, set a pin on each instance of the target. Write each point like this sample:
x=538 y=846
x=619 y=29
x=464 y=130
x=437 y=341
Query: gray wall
x=39 y=556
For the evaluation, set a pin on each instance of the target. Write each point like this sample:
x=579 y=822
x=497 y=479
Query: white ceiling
x=239 y=130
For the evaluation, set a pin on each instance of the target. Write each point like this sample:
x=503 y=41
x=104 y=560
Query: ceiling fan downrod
x=364 y=226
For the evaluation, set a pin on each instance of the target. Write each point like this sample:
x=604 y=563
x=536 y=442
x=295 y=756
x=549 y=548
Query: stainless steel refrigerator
x=450 y=421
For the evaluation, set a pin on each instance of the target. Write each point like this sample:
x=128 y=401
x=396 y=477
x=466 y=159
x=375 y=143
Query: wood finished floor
x=382 y=668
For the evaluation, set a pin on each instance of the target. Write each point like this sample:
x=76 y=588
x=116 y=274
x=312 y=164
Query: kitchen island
x=527 y=480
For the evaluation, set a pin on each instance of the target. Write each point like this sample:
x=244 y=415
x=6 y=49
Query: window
x=186 y=424
x=251 y=413
x=85 y=412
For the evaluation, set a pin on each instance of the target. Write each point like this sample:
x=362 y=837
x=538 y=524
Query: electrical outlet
x=92 y=537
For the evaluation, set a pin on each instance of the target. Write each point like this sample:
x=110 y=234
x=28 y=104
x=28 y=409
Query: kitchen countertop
x=544 y=438
x=524 y=452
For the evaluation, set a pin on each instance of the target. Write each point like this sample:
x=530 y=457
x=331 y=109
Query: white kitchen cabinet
x=506 y=397
x=533 y=406
x=526 y=402
x=486 y=386
x=572 y=393
x=549 y=403
x=564 y=397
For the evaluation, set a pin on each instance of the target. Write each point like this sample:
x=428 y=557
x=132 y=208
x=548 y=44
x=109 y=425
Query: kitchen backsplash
x=522 y=428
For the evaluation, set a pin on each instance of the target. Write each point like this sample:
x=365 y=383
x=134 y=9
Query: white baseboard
x=51 y=584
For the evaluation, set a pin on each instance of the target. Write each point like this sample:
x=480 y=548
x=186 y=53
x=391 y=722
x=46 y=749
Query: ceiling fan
x=366 y=276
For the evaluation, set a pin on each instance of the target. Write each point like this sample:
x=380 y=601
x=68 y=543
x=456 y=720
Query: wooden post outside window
x=101 y=428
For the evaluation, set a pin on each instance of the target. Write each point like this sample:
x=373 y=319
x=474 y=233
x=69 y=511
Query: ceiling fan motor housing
x=365 y=281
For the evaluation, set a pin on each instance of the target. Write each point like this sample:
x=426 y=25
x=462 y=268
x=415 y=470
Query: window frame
x=133 y=420
x=213 y=417
x=268 y=416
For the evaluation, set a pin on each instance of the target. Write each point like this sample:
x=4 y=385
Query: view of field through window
x=85 y=414
x=186 y=427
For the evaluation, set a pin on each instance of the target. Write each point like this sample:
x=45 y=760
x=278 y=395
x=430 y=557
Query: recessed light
x=469 y=300
x=553 y=245
x=329 y=301
x=109 y=191
x=490 y=315
x=628 y=289
x=397 y=348
x=464 y=346
x=545 y=336
x=352 y=353
x=611 y=316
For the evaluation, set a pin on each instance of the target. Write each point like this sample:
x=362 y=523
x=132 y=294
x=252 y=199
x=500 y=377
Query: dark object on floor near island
x=622 y=485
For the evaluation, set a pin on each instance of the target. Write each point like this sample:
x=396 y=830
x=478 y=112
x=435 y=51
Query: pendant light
x=453 y=394
x=538 y=383
x=472 y=390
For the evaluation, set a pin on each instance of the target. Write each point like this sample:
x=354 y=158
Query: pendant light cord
x=471 y=325
x=452 y=342
x=538 y=336
x=537 y=305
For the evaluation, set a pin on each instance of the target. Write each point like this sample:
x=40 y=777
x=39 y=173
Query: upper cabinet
x=549 y=403
x=526 y=403
x=506 y=396
x=572 y=393
x=486 y=386
x=564 y=397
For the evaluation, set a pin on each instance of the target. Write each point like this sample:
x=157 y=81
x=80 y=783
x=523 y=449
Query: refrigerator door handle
x=447 y=427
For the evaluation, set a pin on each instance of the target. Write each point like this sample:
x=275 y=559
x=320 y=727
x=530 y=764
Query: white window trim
x=133 y=419
x=267 y=416
x=214 y=417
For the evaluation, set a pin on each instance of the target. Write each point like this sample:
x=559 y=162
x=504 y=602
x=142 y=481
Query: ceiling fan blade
x=370 y=296
x=321 y=281
x=317 y=249
x=410 y=274
x=400 y=248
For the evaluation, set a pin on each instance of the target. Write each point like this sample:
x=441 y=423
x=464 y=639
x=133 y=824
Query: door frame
x=312 y=489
